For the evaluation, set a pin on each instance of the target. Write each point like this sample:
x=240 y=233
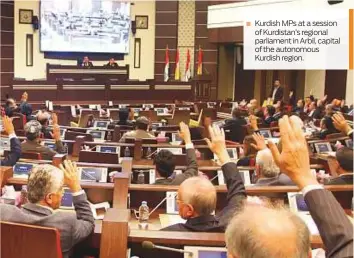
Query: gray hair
x=266 y=163
x=200 y=194
x=258 y=232
x=43 y=180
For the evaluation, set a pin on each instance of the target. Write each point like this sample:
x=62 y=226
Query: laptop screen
x=211 y=254
x=109 y=149
x=22 y=169
x=91 y=174
x=67 y=199
x=300 y=203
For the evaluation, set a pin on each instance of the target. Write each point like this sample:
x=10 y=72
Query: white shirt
x=274 y=92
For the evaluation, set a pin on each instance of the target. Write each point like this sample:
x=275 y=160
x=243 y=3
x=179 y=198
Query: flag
x=200 y=62
x=177 y=75
x=187 y=74
x=167 y=65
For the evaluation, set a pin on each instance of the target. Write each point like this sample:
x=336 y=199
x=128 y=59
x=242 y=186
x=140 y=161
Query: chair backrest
x=150 y=114
x=70 y=135
x=98 y=157
x=334 y=136
x=31 y=155
x=17 y=122
x=274 y=124
x=29 y=241
x=180 y=116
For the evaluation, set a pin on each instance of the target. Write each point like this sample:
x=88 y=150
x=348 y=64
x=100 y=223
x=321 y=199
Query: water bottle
x=148 y=153
x=141 y=178
x=109 y=136
x=66 y=148
x=126 y=152
x=24 y=193
x=143 y=215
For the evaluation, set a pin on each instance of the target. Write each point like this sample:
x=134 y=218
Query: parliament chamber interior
x=132 y=129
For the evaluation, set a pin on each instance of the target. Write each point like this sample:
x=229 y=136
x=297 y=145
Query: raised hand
x=294 y=159
x=54 y=119
x=56 y=132
x=253 y=122
x=340 y=123
x=8 y=126
x=184 y=133
x=260 y=142
x=217 y=144
x=71 y=177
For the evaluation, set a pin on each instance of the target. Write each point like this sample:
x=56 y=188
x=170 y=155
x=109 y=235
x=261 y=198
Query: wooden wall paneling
x=244 y=81
x=336 y=84
x=166 y=34
x=210 y=51
x=7 y=47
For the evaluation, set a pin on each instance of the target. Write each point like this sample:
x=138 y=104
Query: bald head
x=261 y=232
x=199 y=193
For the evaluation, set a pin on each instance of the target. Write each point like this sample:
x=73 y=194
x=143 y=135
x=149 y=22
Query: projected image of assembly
x=85 y=26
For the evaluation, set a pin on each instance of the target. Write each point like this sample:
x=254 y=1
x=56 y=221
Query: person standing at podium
x=86 y=62
x=112 y=64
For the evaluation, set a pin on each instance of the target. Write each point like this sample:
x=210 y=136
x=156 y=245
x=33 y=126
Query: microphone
x=150 y=245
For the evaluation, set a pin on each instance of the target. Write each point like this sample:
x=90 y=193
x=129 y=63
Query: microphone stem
x=172 y=249
x=164 y=199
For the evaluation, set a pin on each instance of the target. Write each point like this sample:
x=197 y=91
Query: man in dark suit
x=277 y=92
x=15 y=145
x=10 y=107
x=197 y=196
x=235 y=126
x=268 y=114
x=342 y=165
x=314 y=111
x=165 y=164
x=86 y=63
x=259 y=230
x=112 y=64
x=33 y=129
x=45 y=191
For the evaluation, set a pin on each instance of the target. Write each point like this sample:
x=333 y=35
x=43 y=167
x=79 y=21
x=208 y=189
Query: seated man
x=327 y=127
x=314 y=111
x=299 y=108
x=279 y=106
x=45 y=191
x=10 y=107
x=267 y=171
x=165 y=164
x=86 y=62
x=141 y=130
x=15 y=144
x=43 y=118
x=268 y=113
x=25 y=107
x=264 y=232
x=32 y=143
x=124 y=117
x=197 y=196
x=112 y=63
x=235 y=125
x=342 y=165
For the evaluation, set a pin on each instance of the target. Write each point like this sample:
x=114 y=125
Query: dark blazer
x=346 y=179
x=237 y=133
x=335 y=228
x=236 y=194
x=277 y=116
x=269 y=120
x=110 y=66
x=87 y=65
x=192 y=170
x=278 y=95
x=46 y=153
x=73 y=227
x=26 y=109
x=15 y=153
x=317 y=114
